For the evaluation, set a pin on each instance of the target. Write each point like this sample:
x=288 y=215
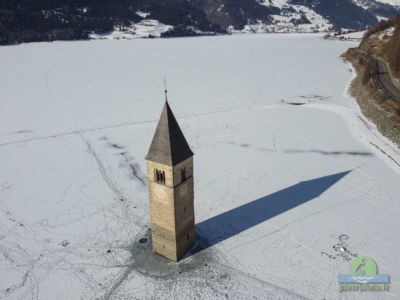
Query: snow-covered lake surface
x=276 y=184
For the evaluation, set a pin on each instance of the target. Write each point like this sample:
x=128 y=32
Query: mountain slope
x=341 y=13
x=377 y=62
x=44 y=20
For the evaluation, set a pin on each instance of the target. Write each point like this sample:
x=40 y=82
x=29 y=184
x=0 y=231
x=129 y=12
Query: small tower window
x=183 y=174
x=159 y=176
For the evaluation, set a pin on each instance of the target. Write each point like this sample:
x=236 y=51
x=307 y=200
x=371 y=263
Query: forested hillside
x=48 y=20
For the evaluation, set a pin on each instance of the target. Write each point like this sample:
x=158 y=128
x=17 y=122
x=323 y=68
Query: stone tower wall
x=172 y=209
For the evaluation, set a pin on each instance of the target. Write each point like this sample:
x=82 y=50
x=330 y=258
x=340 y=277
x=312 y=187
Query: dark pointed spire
x=169 y=146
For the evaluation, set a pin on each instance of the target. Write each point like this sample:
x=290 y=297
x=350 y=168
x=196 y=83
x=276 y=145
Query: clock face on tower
x=160 y=193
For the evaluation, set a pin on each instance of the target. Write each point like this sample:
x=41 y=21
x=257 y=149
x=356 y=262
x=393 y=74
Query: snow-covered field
x=276 y=183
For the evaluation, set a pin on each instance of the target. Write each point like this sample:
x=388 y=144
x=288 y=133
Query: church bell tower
x=171 y=192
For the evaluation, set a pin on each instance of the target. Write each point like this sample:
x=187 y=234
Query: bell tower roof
x=169 y=146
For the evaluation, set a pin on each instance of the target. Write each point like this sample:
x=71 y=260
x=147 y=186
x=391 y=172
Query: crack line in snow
x=127 y=124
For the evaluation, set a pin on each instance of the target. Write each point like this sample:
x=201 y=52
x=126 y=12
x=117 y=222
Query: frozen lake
x=276 y=184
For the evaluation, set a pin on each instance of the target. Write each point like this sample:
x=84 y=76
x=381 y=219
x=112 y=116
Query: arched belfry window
x=159 y=176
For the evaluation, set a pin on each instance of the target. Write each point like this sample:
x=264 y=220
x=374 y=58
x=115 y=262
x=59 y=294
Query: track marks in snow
x=46 y=80
x=126 y=124
x=23 y=262
x=208 y=274
x=110 y=183
x=390 y=157
x=74 y=132
x=8 y=291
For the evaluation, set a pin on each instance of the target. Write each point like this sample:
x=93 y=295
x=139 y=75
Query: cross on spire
x=165 y=90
